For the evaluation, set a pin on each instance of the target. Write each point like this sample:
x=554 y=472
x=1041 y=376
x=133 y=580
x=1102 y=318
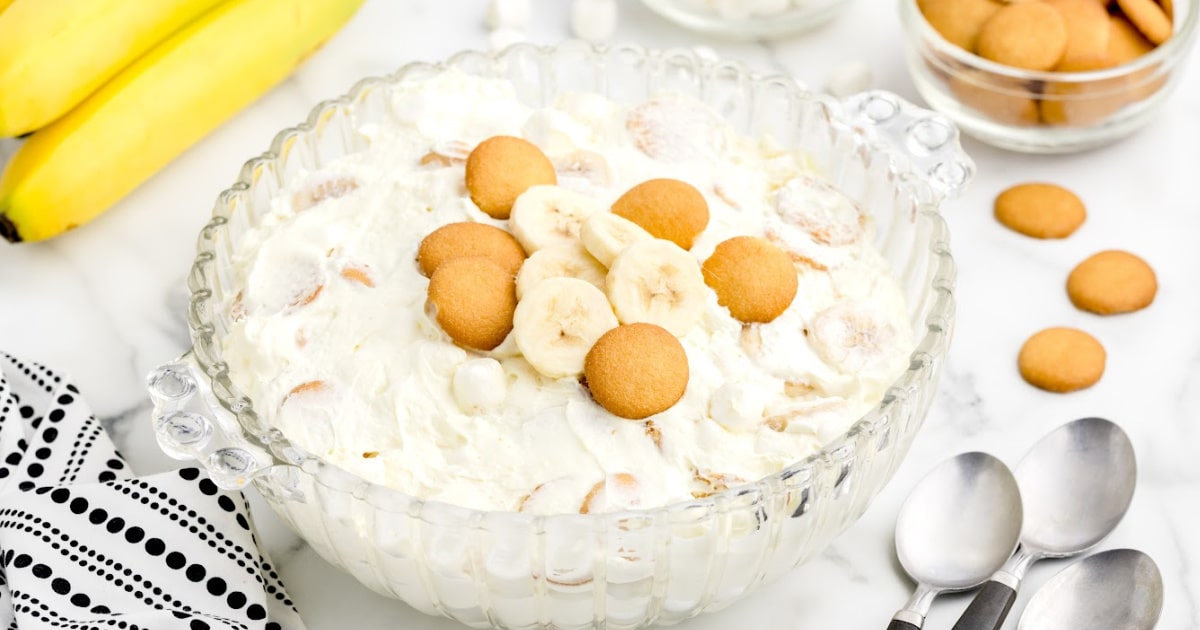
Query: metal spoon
x=1076 y=484
x=1119 y=588
x=957 y=527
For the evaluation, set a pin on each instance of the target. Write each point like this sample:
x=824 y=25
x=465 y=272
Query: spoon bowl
x=956 y=529
x=1076 y=485
x=1119 y=588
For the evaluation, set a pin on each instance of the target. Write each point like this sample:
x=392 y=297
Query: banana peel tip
x=8 y=229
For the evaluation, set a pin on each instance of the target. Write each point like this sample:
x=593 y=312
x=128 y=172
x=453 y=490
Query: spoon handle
x=902 y=625
x=989 y=608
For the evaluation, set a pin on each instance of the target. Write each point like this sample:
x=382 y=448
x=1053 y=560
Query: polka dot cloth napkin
x=85 y=545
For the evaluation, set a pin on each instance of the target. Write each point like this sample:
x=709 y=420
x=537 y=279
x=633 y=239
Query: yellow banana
x=54 y=53
x=74 y=169
x=5 y=3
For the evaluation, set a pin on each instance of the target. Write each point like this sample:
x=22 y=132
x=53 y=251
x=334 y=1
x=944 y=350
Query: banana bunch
x=113 y=90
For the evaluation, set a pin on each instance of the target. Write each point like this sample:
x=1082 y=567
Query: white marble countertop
x=106 y=304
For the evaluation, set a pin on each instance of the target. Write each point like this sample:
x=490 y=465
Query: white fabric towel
x=85 y=545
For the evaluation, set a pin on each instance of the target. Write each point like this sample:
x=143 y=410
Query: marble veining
x=106 y=303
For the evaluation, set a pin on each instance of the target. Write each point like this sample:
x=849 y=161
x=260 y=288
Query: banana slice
x=820 y=211
x=657 y=282
x=559 y=261
x=549 y=215
x=587 y=166
x=557 y=322
x=675 y=129
x=314 y=193
x=853 y=337
x=605 y=235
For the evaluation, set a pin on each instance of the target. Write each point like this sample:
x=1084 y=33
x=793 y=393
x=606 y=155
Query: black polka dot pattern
x=86 y=546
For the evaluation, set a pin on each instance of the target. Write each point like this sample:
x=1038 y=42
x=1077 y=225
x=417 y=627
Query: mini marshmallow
x=510 y=14
x=479 y=385
x=737 y=406
x=593 y=20
x=848 y=78
x=502 y=38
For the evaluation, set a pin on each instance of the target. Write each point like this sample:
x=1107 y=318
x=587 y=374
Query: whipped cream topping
x=332 y=340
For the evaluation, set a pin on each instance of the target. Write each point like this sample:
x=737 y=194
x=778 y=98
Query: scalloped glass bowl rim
x=1170 y=51
x=921 y=359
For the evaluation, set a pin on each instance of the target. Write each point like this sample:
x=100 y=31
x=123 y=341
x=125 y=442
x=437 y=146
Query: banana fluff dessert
x=586 y=307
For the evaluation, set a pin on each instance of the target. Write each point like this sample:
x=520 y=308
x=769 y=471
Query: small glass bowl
x=616 y=570
x=748 y=19
x=1044 y=112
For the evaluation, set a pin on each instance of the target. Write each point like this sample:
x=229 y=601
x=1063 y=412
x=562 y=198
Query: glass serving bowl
x=1044 y=112
x=748 y=19
x=620 y=570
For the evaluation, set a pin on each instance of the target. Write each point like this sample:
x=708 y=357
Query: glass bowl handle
x=927 y=139
x=190 y=425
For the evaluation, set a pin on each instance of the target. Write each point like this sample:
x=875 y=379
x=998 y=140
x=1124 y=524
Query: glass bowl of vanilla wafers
x=1051 y=76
